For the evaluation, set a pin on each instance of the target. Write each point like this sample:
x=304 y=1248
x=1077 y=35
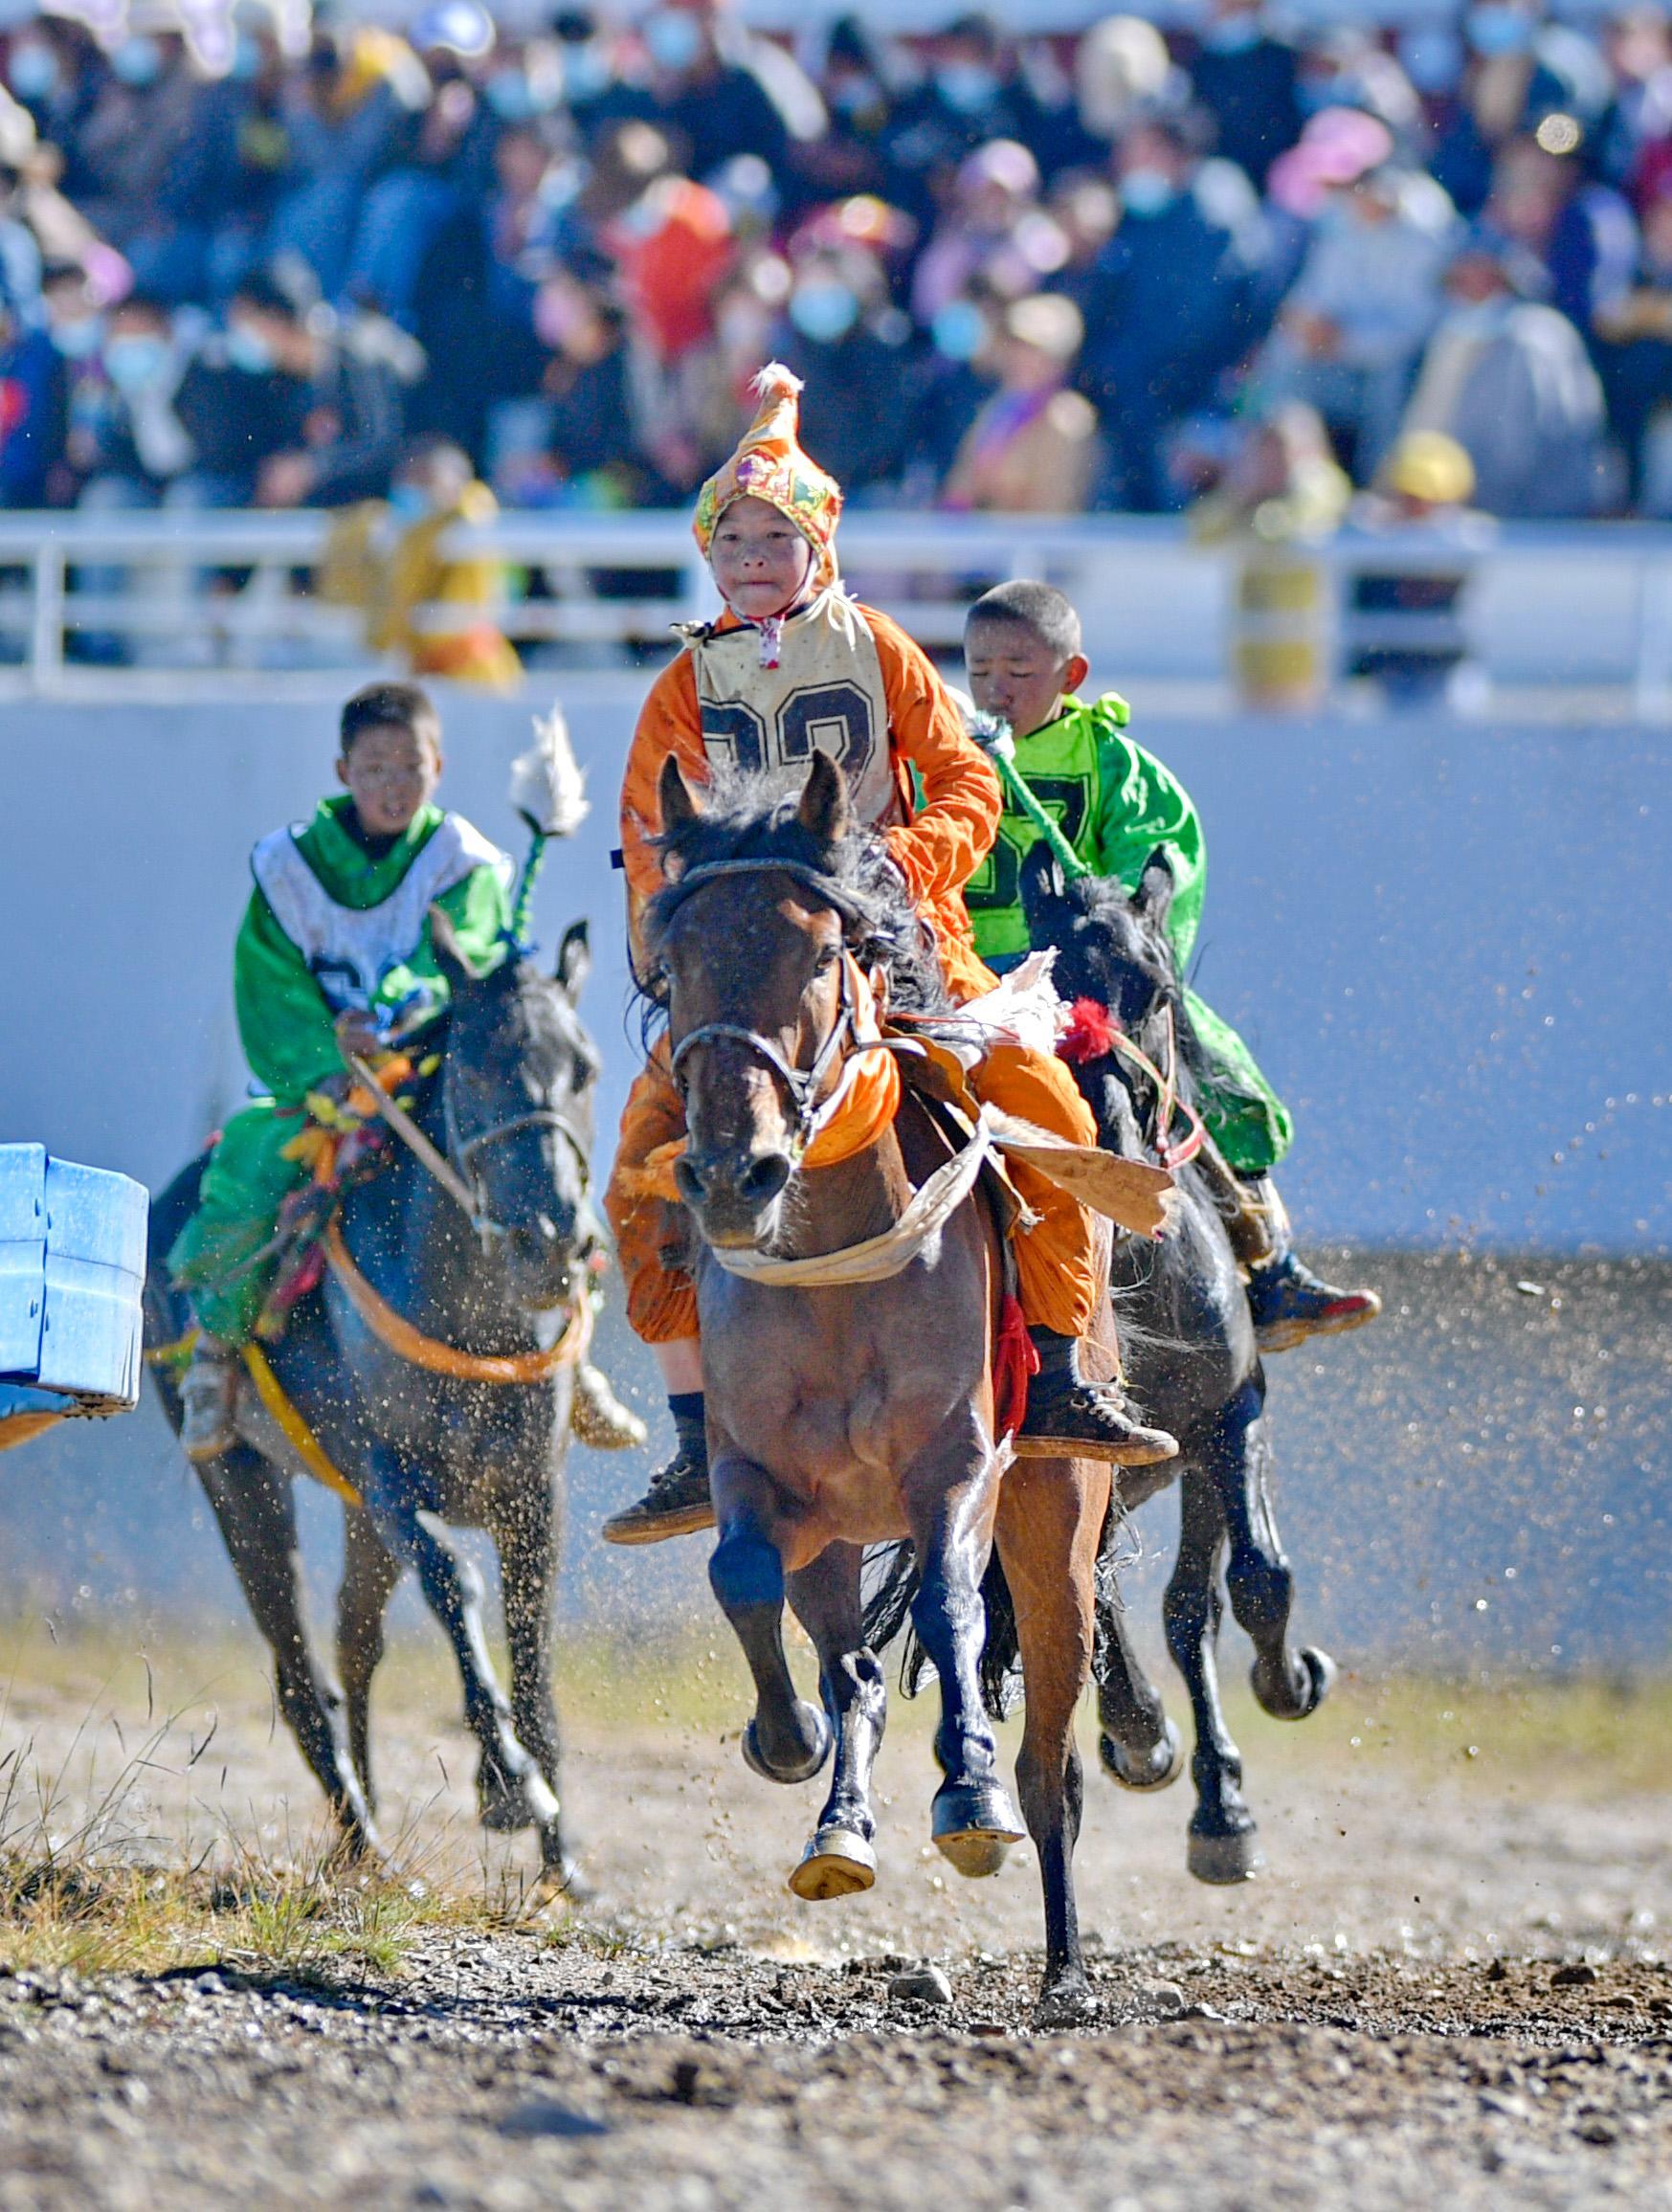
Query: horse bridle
x=802 y=1086
x=462 y=1153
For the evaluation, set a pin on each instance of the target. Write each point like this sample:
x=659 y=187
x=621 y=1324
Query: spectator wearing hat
x=1170 y=301
x=1509 y=380
x=1368 y=293
x=1404 y=623
x=1032 y=448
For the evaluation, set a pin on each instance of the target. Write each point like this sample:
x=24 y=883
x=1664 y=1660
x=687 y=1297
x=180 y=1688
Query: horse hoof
x=528 y=1802
x=835 y=1864
x=812 y=1727
x=1154 y=1769
x=973 y=1825
x=1067 y=2004
x=559 y=1884
x=1223 y=1860
x=1317 y=1670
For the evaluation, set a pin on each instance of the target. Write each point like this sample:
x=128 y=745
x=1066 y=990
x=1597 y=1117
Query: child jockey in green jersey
x=334 y=953
x=1116 y=803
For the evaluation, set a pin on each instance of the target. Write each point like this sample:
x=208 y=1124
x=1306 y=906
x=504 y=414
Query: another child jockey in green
x=333 y=958
x=1115 y=804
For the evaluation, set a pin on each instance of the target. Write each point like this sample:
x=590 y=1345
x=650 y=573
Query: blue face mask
x=823 y=310
x=1494 y=29
x=132 y=363
x=586 y=70
x=967 y=87
x=510 y=96
x=1432 y=57
x=1147 y=191
x=138 y=62
x=854 y=94
x=247 y=350
x=410 y=502
x=32 y=72
x=78 y=340
x=672 y=38
x=246 y=61
x=959 y=331
x=1235 y=34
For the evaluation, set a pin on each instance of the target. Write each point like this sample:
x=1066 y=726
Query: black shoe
x=1289 y=1304
x=1068 y=1418
x=676 y=1503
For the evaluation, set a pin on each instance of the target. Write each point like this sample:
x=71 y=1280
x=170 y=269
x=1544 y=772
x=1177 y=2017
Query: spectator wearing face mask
x=358 y=371
x=721 y=92
x=849 y=347
x=972 y=95
x=1368 y=294
x=600 y=87
x=1247 y=79
x=851 y=155
x=238 y=404
x=1170 y=300
x=1509 y=380
x=1520 y=73
x=1032 y=447
x=348 y=113
x=145 y=162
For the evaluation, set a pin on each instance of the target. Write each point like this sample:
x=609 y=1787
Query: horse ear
x=1153 y=897
x=824 y=812
x=449 y=952
x=676 y=798
x=574 y=960
x=1043 y=878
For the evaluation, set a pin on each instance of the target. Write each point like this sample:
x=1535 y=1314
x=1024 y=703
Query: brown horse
x=843 y=1416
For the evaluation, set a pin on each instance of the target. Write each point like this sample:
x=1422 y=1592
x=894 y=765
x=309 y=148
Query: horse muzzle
x=735 y=1195
x=541 y=1264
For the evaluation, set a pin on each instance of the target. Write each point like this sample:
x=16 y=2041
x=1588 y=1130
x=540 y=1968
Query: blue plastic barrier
x=72 y=1269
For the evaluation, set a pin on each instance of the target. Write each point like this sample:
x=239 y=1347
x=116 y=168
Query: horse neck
x=832 y=1208
x=445 y=1281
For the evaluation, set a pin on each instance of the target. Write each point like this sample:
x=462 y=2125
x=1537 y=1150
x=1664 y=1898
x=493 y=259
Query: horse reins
x=392 y=1329
x=801 y=1084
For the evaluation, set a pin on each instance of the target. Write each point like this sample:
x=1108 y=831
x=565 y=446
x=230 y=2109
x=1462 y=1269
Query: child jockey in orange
x=792 y=663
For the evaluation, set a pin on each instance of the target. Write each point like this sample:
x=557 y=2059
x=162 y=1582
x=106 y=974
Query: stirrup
x=209 y=1404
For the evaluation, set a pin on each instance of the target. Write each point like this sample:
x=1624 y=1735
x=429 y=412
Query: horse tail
x=890 y=1584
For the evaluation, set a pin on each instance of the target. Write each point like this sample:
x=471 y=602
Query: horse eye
x=826 y=961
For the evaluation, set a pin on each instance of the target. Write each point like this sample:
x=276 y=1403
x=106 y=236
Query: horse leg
x=510 y=1788
x=840 y=1859
x=1224 y=1845
x=950 y=1495
x=1290 y=1684
x=527 y=1543
x=788 y=1740
x=1050 y=1523
x=369 y=1574
x=255 y=1509
x=1138 y=1745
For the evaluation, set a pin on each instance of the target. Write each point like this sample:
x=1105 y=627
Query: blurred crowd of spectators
x=254 y=266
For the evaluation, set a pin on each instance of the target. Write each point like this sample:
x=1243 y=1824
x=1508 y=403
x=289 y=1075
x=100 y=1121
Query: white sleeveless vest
x=826 y=692
x=348 y=952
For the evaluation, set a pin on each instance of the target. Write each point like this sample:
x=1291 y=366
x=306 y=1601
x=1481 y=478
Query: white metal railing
x=110 y=606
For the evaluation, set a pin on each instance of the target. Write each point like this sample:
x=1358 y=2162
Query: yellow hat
x=769 y=465
x=1428 y=466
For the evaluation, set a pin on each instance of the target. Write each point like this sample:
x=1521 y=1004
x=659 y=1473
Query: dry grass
x=127 y=1846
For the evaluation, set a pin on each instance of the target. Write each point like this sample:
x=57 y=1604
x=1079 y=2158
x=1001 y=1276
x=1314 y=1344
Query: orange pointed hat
x=769 y=465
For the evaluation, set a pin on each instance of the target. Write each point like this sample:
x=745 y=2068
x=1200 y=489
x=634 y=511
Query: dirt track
x=1376 y=2020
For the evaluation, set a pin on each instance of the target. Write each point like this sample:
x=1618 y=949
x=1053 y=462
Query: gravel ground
x=1448 y=1984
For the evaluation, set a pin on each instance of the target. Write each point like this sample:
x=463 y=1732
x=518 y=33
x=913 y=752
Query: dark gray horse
x=511 y=1109
x=1194 y=1366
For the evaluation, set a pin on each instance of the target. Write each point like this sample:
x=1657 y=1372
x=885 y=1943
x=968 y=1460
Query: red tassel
x=1090 y=1035
x=1015 y=1361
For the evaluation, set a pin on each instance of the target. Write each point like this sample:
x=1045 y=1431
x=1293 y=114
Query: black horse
x=511 y=1109
x=1194 y=1366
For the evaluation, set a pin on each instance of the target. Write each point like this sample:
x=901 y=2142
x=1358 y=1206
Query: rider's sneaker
x=676 y=1503
x=1290 y=1304
x=597 y=1416
x=1067 y=1419
x=209 y=1401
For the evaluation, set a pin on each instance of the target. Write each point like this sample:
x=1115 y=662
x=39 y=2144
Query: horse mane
x=1105 y=899
x=753 y=816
